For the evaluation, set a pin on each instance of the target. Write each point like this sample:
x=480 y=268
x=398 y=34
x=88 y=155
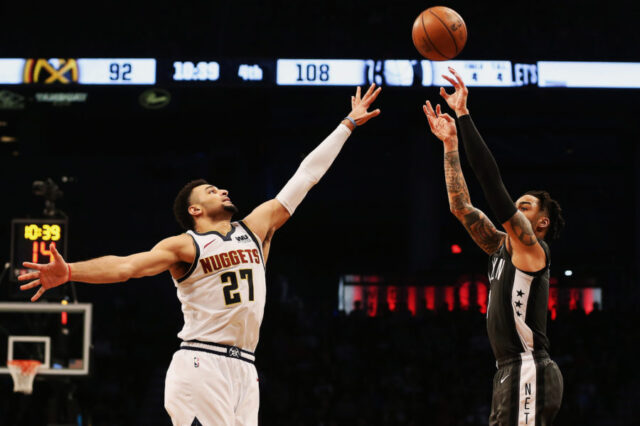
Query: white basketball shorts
x=203 y=388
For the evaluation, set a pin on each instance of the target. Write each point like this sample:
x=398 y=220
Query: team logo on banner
x=49 y=71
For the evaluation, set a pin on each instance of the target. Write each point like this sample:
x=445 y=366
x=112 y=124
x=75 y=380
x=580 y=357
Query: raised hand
x=360 y=105
x=457 y=101
x=46 y=276
x=441 y=124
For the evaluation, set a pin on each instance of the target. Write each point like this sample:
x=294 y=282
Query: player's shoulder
x=176 y=242
x=182 y=246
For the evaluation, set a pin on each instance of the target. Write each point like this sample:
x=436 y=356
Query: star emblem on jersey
x=233 y=352
x=518 y=304
x=520 y=293
x=196 y=422
x=519 y=314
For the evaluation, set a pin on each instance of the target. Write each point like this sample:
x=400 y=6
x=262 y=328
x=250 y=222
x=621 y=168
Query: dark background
x=381 y=209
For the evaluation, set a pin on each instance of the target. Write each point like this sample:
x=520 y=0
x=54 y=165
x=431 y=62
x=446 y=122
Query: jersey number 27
x=231 y=293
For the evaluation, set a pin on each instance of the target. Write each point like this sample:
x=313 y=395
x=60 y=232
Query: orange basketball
x=439 y=33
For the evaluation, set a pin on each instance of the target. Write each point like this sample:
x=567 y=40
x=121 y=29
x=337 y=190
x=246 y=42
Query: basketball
x=439 y=33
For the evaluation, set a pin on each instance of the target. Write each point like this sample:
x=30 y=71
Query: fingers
x=369 y=90
x=371 y=95
x=29 y=276
x=56 y=255
x=358 y=98
x=447 y=117
x=374 y=113
x=444 y=93
x=353 y=102
x=453 y=82
x=429 y=118
x=30 y=265
x=38 y=294
x=31 y=285
x=458 y=78
x=430 y=110
x=438 y=110
x=431 y=115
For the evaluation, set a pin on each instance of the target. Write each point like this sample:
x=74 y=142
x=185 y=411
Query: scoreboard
x=261 y=72
x=31 y=241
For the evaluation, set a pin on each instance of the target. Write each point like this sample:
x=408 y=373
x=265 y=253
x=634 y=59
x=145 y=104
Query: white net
x=23 y=371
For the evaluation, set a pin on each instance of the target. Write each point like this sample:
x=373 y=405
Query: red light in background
x=456 y=249
x=430 y=296
x=372 y=300
x=553 y=302
x=63 y=318
x=464 y=295
x=574 y=298
x=587 y=300
x=392 y=297
x=357 y=295
x=412 y=293
x=449 y=297
x=482 y=294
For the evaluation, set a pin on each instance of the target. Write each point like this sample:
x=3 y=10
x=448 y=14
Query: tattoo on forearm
x=458 y=202
x=456 y=185
x=482 y=230
x=477 y=224
x=522 y=228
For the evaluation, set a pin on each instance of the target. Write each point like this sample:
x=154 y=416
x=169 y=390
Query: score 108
x=41 y=238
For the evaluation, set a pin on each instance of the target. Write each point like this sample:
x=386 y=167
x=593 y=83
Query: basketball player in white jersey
x=218 y=267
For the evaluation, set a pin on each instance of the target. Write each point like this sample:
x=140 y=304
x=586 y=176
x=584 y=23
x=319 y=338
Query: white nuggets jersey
x=223 y=292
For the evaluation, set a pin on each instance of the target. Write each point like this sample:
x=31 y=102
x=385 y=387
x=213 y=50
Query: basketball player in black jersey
x=527 y=388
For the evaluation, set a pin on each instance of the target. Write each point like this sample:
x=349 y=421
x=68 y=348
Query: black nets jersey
x=517 y=310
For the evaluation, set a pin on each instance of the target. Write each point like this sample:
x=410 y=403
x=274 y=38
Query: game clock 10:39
x=198 y=71
x=31 y=241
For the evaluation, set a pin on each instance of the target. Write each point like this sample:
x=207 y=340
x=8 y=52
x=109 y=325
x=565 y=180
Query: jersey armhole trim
x=195 y=261
x=547 y=262
x=255 y=240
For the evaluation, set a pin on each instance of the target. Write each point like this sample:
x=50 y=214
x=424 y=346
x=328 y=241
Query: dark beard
x=231 y=209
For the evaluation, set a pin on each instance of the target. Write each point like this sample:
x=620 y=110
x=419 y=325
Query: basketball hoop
x=23 y=371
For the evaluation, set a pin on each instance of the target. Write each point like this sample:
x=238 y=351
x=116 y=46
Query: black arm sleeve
x=486 y=170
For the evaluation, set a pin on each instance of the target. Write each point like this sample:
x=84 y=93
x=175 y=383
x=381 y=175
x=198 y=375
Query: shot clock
x=31 y=242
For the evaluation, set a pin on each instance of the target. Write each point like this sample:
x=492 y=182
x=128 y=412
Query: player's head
x=198 y=199
x=543 y=212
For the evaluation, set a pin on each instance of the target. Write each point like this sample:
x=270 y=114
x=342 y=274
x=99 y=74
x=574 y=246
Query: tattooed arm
x=477 y=224
x=521 y=241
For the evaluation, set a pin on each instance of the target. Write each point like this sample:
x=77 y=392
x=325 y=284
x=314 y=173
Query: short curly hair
x=182 y=203
x=553 y=210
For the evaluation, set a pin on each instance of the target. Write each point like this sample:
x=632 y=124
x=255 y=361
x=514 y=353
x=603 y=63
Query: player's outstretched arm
x=477 y=224
x=527 y=254
x=108 y=269
x=271 y=215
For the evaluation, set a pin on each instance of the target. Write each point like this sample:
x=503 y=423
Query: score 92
x=119 y=72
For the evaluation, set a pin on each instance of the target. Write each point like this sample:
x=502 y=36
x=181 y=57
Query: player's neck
x=221 y=226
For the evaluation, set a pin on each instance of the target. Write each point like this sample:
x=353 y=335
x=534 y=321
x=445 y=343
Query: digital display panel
x=31 y=242
x=589 y=74
x=273 y=72
x=90 y=71
x=321 y=72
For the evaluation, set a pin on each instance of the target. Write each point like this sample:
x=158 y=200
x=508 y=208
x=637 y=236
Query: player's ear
x=543 y=223
x=195 y=210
